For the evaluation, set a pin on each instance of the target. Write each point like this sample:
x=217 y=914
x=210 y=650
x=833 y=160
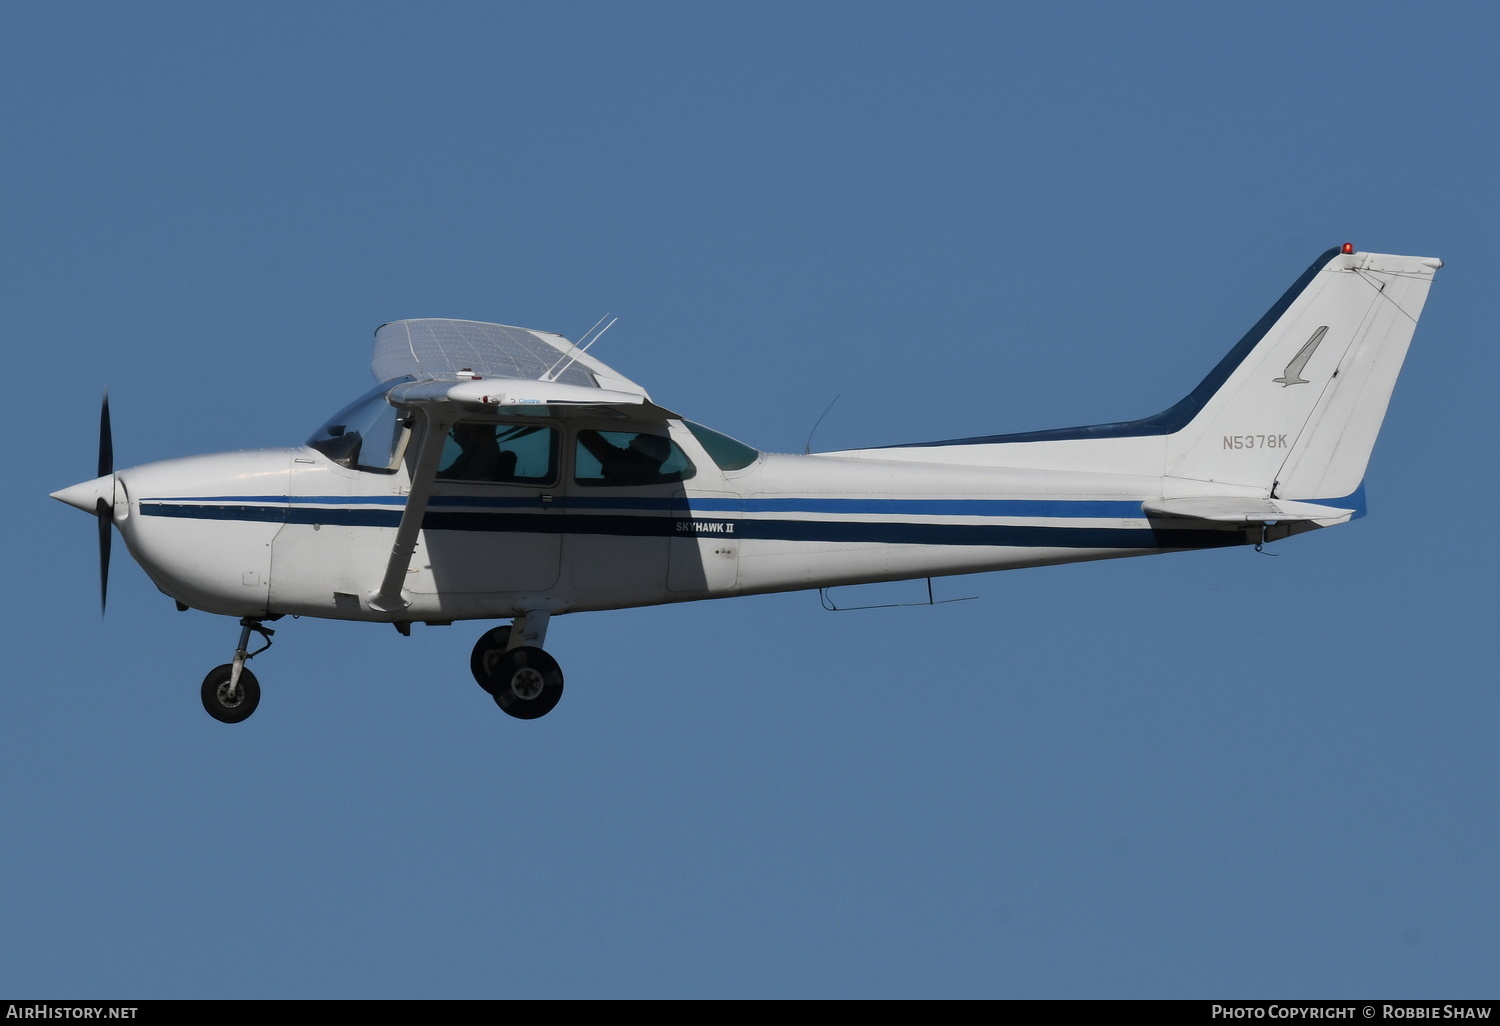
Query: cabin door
x=493 y=524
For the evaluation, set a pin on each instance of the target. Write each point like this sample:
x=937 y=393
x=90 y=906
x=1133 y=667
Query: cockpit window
x=629 y=458
x=727 y=453
x=500 y=453
x=368 y=434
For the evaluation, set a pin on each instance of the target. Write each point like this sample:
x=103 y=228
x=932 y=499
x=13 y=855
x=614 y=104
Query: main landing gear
x=508 y=662
x=231 y=692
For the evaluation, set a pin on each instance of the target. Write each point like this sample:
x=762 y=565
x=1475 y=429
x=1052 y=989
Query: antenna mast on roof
x=807 y=449
x=555 y=369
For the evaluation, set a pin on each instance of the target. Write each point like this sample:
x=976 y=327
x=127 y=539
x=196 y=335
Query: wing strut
x=388 y=598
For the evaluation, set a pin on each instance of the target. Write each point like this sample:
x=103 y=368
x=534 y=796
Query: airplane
x=498 y=472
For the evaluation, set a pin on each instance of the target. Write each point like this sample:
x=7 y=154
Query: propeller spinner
x=98 y=497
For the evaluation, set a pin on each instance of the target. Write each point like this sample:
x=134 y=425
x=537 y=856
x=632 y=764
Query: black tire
x=487 y=660
x=216 y=700
x=532 y=683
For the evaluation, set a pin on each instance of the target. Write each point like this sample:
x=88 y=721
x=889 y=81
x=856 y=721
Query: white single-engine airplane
x=499 y=472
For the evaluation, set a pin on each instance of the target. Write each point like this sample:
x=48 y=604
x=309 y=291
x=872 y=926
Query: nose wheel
x=226 y=703
x=524 y=681
x=231 y=692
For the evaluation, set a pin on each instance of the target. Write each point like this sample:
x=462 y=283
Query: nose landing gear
x=231 y=692
x=524 y=681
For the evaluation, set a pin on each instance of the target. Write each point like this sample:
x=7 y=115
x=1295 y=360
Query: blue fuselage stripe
x=1074 y=508
x=680 y=522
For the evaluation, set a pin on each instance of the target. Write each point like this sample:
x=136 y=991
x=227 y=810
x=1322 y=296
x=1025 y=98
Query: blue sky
x=1207 y=775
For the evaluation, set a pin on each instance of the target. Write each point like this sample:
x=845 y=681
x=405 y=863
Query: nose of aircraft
x=96 y=497
x=86 y=495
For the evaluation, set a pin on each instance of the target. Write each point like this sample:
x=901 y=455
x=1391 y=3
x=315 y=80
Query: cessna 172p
x=502 y=473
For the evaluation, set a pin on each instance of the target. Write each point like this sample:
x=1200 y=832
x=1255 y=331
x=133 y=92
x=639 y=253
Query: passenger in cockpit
x=639 y=461
x=479 y=456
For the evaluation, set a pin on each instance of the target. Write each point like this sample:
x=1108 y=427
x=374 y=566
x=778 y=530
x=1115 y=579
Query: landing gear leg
x=508 y=662
x=231 y=692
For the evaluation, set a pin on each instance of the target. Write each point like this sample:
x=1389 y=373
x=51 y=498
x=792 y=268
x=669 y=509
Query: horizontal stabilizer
x=1242 y=510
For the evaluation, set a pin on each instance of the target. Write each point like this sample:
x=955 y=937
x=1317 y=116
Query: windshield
x=368 y=434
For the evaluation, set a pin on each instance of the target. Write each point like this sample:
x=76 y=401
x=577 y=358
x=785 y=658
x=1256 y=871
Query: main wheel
x=223 y=706
x=528 y=684
x=489 y=653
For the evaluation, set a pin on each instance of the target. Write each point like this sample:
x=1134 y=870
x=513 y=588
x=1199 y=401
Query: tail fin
x=1296 y=405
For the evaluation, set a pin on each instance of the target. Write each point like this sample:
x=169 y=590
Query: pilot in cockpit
x=639 y=461
x=480 y=457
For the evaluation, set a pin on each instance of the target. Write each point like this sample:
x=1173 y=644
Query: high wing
x=434 y=363
x=440 y=349
x=442 y=370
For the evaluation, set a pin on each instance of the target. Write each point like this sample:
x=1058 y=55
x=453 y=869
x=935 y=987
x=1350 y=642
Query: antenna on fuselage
x=807 y=449
x=825 y=596
x=571 y=358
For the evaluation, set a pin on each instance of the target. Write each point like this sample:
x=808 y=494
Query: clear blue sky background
x=1208 y=775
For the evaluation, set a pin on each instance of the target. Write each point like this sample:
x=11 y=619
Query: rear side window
x=500 y=454
x=629 y=458
x=727 y=453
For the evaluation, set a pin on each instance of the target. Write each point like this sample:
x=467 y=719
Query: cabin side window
x=629 y=458
x=500 y=454
x=368 y=434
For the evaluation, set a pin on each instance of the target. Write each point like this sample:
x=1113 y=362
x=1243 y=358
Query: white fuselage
x=499 y=472
x=288 y=531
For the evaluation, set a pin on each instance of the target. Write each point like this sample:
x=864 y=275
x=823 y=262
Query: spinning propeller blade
x=105 y=511
x=106 y=440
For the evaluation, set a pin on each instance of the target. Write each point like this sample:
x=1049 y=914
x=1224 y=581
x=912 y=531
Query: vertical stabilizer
x=1297 y=411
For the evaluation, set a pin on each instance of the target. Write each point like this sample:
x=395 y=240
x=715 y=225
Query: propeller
x=105 y=511
x=98 y=496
